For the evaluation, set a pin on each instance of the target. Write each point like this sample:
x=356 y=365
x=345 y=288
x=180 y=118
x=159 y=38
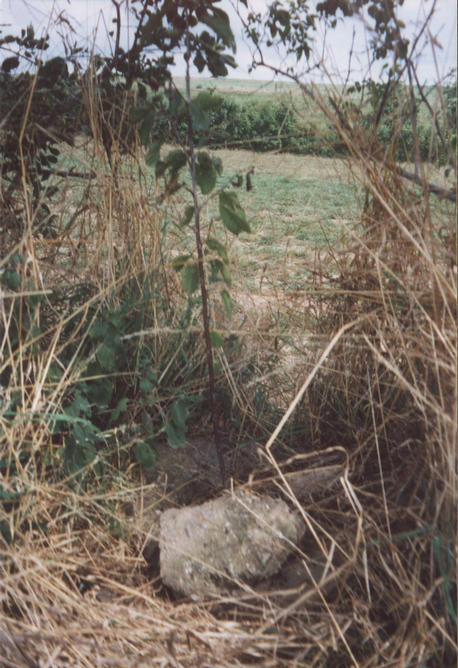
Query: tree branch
x=430 y=187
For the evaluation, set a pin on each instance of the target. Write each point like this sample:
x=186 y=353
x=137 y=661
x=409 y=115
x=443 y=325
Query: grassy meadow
x=340 y=351
x=243 y=87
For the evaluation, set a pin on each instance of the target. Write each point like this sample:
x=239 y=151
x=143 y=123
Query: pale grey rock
x=236 y=538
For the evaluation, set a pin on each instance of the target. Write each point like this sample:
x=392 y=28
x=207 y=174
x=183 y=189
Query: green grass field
x=295 y=208
x=242 y=88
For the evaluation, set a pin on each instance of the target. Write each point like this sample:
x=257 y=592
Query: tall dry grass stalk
x=107 y=235
x=388 y=394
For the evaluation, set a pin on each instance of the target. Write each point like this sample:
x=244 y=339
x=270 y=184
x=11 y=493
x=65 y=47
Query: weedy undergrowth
x=102 y=354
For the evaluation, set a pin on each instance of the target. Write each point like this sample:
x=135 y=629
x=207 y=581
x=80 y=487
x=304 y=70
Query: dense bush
x=268 y=126
x=109 y=377
x=271 y=125
x=406 y=125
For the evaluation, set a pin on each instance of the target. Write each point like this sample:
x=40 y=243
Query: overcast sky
x=93 y=18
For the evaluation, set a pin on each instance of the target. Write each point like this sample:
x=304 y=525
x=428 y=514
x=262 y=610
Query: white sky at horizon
x=92 y=19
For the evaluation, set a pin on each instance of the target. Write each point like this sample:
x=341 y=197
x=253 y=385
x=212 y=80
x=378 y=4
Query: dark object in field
x=238 y=181
x=249 y=184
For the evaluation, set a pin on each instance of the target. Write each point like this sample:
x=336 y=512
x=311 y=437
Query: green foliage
x=38 y=110
x=265 y=126
x=189 y=213
x=176 y=426
x=11 y=276
x=232 y=214
x=288 y=25
x=219 y=248
x=81 y=444
x=387 y=112
x=227 y=301
x=48 y=109
x=23 y=322
x=190 y=278
x=449 y=93
x=179 y=262
x=145 y=455
x=201 y=107
x=291 y=24
x=206 y=173
x=153 y=154
x=117 y=377
x=107 y=354
x=216 y=339
x=443 y=550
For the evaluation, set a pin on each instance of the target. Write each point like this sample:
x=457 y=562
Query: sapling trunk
x=203 y=282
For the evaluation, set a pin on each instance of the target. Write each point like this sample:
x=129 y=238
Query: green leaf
x=176 y=424
x=145 y=455
x=177 y=108
x=176 y=438
x=208 y=101
x=176 y=160
x=153 y=154
x=187 y=216
x=190 y=278
x=227 y=301
x=106 y=357
x=5 y=532
x=218 y=163
x=10 y=64
x=80 y=446
x=205 y=172
x=200 y=118
x=161 y=166
x=99 y=392
x=199 y=61
x=216 y=339
x=17 y=258
x=99 y=330
x=146 y=386
x=116 y=412
x=232 y=214
x=179 y=262
x=85 y=435
x=225 y=273
x=55 y=373
x=137 y=114
x=216 y=267
x=219 y=23
x=144 y=128
x=12 y=280
x=80 y=406
x=219 y=248
x=179 y=412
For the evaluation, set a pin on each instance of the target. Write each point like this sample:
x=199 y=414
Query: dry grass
x=363 y=370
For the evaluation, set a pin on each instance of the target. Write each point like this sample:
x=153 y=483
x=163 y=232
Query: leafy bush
x=254 y=126
x=109 y=375
x=38 y=111
x=405 y=121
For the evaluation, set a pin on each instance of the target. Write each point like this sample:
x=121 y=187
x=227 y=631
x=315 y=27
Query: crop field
x=245 y=88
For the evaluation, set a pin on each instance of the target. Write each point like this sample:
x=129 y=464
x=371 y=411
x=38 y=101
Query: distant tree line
x=271 y=125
